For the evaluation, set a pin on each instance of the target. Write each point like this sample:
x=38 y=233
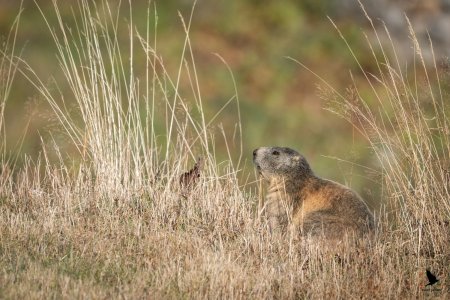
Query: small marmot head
x=280 y=163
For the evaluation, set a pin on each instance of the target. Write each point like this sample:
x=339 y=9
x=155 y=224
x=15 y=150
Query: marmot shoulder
x=314 y=206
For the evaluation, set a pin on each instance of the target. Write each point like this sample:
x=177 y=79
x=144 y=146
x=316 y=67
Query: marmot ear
x=296 y=158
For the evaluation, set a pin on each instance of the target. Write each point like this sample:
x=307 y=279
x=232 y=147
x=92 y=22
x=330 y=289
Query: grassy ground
x=113 y=221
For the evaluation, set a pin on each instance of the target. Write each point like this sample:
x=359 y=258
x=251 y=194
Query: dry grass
x=115 y=223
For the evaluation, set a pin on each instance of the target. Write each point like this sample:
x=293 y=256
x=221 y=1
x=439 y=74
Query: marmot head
x=280 y=163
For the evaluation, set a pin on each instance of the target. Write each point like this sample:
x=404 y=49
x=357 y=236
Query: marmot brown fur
x=296 y=197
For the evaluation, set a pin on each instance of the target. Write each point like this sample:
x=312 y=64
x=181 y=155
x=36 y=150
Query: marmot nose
x=254 y=153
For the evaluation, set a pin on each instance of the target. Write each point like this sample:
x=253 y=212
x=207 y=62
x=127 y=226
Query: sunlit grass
x=114 y=221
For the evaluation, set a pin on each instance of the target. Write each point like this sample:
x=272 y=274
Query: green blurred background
x=279 y=100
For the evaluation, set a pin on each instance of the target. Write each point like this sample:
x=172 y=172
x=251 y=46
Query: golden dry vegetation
x=112 y=221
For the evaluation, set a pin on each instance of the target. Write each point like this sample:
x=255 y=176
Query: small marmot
x=297 y=197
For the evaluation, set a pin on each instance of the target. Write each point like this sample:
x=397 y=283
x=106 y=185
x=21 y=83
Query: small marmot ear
x=296 y=158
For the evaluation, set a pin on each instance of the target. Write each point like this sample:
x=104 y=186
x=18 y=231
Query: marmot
x=296 y=196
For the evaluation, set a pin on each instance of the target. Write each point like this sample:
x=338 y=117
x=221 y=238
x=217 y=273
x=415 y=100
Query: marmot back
x=315 y=206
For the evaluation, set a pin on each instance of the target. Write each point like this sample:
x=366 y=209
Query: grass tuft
x=114 y=221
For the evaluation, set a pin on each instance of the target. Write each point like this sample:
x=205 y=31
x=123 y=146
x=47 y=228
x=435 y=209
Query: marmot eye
x=275 y=152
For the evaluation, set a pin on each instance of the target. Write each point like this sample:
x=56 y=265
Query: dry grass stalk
x=105 y=230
